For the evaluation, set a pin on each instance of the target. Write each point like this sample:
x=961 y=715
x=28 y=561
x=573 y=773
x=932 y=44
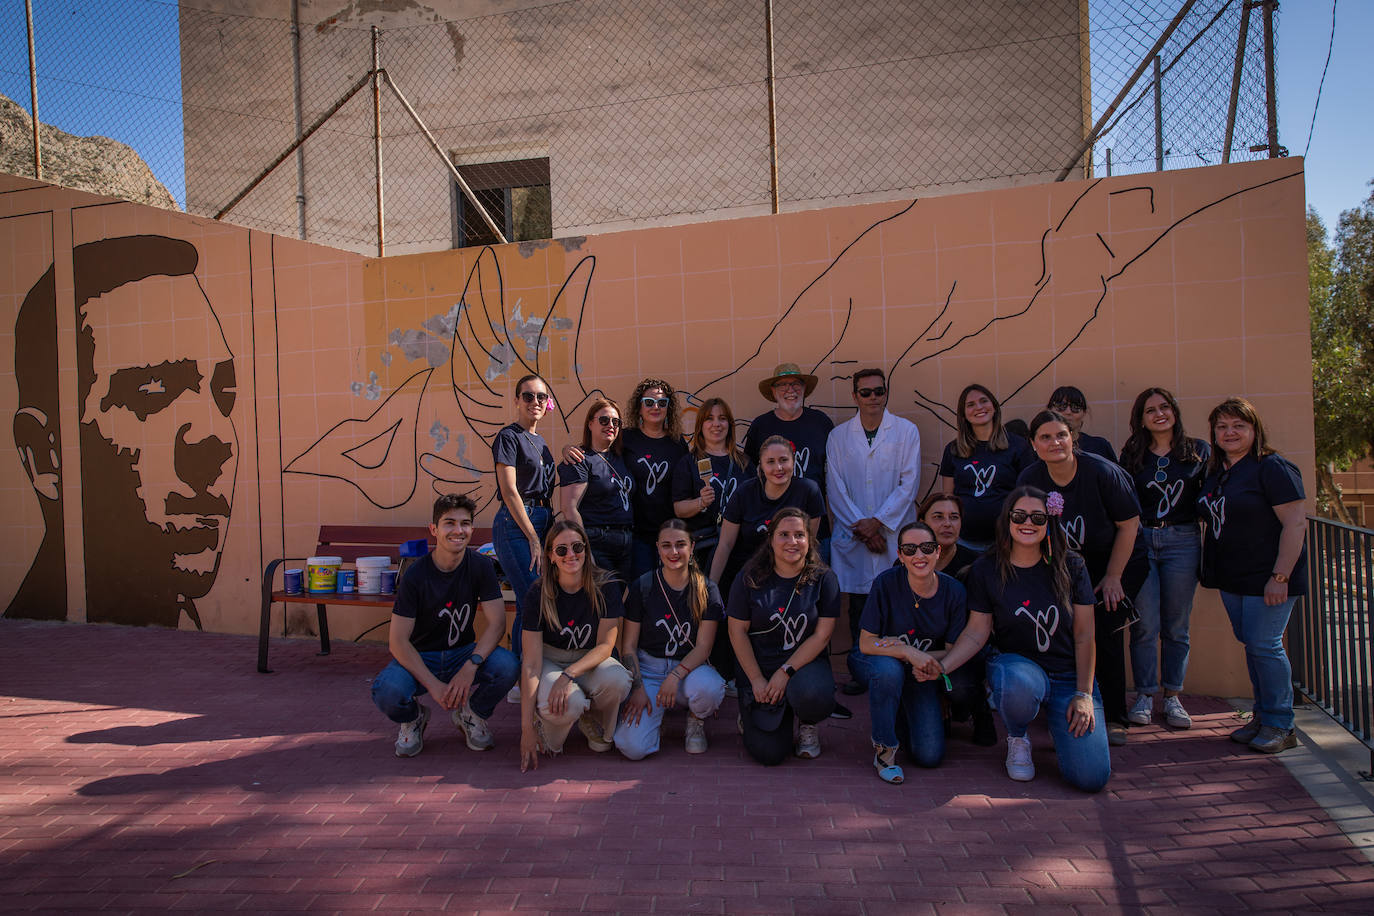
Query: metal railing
x=1331 y=636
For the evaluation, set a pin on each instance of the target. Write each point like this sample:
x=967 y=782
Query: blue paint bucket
x=292 y=579
x=346 y=582
x=388 y=582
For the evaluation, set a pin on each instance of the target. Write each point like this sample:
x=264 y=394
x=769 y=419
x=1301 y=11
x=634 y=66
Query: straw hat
x=782 y=371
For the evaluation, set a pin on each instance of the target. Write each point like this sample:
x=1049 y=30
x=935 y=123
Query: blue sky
x=113 y=67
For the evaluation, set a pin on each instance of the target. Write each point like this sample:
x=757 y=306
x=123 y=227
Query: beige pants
x=599 y=692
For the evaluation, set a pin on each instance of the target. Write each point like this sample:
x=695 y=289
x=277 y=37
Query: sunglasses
x=613 y=422
x=1020 y=516
x=1161 y=463
x=562 y=549
x=654 y=402
x=872 y=392
x=925 y=547
x=1067 y=408
x=529 y=397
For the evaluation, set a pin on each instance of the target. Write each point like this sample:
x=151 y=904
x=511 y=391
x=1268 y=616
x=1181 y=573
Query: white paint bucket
x=370 y=574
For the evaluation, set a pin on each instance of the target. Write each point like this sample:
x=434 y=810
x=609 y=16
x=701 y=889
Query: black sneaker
x=853 y=688
x=841 y=712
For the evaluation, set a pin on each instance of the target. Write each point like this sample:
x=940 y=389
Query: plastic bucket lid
x=373 y=561
x=324 y=561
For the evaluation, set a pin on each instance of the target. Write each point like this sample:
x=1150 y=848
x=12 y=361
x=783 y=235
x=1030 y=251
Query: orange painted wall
x=354 y=400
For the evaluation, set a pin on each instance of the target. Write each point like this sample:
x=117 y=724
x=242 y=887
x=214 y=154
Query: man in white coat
x=873 y=465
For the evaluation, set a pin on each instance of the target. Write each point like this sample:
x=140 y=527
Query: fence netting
x=593 y=115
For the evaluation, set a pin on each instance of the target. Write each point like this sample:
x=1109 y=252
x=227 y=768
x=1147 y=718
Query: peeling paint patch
x=415 y=344
x=371 y=391
x=573 y=242
x=442 y=326
x=527 y=249
x=462 y=453
x=439 y=432
x=502 y=358
x=385 y=357
x=530 y=330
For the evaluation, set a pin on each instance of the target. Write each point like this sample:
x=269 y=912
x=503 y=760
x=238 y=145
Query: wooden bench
x=348 y=542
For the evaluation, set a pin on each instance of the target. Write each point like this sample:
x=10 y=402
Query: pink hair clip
x=1054 y=504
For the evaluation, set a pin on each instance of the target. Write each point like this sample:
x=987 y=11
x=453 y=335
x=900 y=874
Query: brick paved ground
x=147 y=769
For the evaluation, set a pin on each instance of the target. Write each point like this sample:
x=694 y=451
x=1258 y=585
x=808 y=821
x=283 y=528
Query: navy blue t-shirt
x=1028 y=618
x=650 y=462
x=983 y=480
x=752 y=510
x=1173 y=500
x=726 y=476
x=1096 y=445
x=808 y=434
x=577 y=620
x=530 y=456
x=1242 y=539
x=782 y=613
x=667 y=629
x=606 y=501
x=1099 y=496
x=445 y=604
x=893 y=610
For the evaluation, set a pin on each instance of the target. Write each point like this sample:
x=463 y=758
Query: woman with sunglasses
x=944 y=513
x=781 y=614
x=981 y=464
x=524 y=486
x=1072 y=405
x=1101 y=519
x=569 y=629
x=652 y=445
x=595 y=492
x=744 y=525
x=671 y=617
x=912 y=613
x=1166 y=466
x=1031 y=594
x=700 y=494
x=1254 y=550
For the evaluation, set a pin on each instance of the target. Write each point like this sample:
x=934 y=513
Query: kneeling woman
x=568 y=630
x=782 y=612
x=912 y=612
x=671 y=617
x=1035 y=599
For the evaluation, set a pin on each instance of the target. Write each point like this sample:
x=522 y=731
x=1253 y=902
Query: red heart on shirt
x=570 y=623
x=1025 y=604
x=911 y=632
x=667 y=616
x=975 y=462
x=450 y=604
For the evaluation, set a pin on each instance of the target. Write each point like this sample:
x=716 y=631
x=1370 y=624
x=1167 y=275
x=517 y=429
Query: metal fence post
x=772 y=106
x=377 y=142
x=33 y=94
x=300 y=115
x=1159 y=119
x=1271 y=103
x=1241 y=40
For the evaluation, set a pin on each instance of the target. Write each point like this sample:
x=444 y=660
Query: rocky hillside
x=96 y=164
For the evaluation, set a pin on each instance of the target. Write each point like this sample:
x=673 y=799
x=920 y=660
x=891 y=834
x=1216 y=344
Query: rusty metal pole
x=772 y=107
x=1241 y=41
x=1159 y=118
x=377 y=142
x=300 y=114
x=1270 y=93
x=33 y=94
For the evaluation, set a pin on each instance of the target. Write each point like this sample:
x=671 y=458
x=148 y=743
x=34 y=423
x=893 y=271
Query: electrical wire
x=1329 y=45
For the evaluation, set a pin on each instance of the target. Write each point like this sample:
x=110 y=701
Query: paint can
x=321 y=574
x=291 y=580
x=388 y=582
x=347 y=582
x=370 y=574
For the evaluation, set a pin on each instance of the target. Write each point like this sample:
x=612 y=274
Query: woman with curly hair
x=781 y=614
x=1166 y=466
x=1031 y=594
x=653 y=443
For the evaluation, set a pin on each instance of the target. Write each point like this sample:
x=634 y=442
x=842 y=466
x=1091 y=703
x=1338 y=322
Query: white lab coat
x=878 y=482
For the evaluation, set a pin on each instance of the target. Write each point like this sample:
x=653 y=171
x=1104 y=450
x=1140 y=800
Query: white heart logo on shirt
x=1046 y=622
x=457 y=621
x=1168 y=496
x=1216 y=508
x=625 y=485
x=1073 y=532
x=792 y=629
x=922 y=644
x=724 y=488
x=982 y=479
x=679 y=634
x=656 y=472
x=802 y=460
x=578 y=638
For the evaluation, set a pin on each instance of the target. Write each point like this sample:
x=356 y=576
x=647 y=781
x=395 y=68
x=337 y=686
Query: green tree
x=1341 y=306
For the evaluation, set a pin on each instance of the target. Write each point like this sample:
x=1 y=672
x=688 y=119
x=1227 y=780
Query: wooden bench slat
x=371 y=534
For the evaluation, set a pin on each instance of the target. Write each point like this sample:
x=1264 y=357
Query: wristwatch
x=1279 y=577
x=476 y=659
x=790 y=671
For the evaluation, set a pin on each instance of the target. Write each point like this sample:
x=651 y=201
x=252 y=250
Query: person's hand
x=1275 y=593
x=876 y=544
x=456 y=691
x=776 y=688
x=529 y=749
x=760 y=688
x=636 y=704
x=558 y=695
x=573 y=455
x=667 y=692
x=707 y=495
x=536 y=554
x=1080 y=716
x=1111 y=591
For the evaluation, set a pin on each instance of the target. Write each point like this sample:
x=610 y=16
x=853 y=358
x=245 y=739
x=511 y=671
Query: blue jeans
x=643 y=556
x=700 y=693
x=513 y=553
x=611 y=550
x=899 y=703
x=1020 y=687
x=1165 y=603
x=1260 y=629
x=395 y=689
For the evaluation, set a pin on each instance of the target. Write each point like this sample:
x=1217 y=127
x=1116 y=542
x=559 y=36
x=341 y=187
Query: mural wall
x=191 y=399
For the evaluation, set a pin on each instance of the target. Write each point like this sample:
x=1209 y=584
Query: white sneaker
x=513 y=695
x=809 y=742
x=1142 y=710
x=474 y=728
x=1020 y=767
x=411 y=738
x=695 y=743
x=730 y=689
x=1175 y=716
x=596 y=737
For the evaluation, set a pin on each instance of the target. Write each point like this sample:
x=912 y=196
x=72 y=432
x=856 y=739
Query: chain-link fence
x=590 y=115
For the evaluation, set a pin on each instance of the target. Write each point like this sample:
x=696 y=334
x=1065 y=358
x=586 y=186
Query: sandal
x=885 y=762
